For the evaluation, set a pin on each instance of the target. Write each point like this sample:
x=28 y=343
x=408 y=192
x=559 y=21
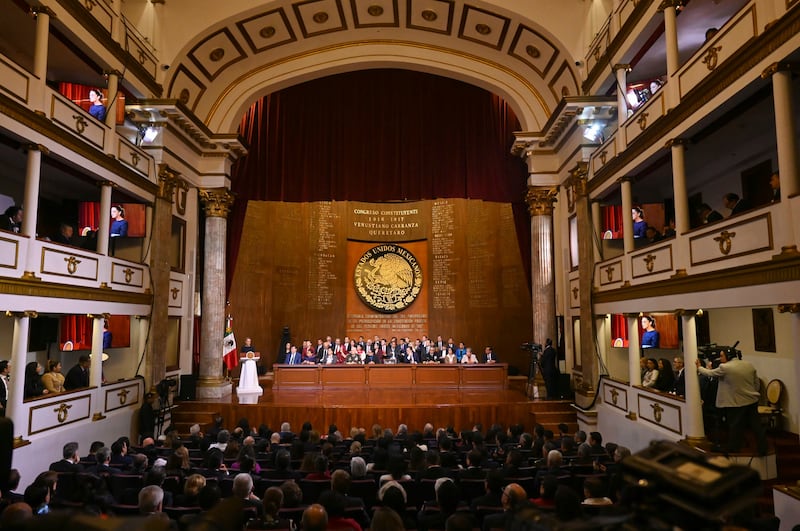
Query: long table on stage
x=484 y=376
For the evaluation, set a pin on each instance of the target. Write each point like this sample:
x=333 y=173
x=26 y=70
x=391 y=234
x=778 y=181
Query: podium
x=248 y=389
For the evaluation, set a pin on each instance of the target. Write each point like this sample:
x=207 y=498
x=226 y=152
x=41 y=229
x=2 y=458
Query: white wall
x=736 y=324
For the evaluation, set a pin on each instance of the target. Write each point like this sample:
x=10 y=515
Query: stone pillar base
x=213 y=388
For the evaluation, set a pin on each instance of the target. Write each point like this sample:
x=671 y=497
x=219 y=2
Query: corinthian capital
x=168 y=180
x=217 y=201
x=540 y=200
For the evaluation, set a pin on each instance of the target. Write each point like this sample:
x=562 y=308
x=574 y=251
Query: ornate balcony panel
x=66 y=265
x=624 y=11
x=616 y=395
x=122 y=395
x=176 y=291
x=661 y=410
x=101 y=11
x=128 y=276
x=608 y=274
x=645 y=117
x=725 y=44
x=77 y=121
x=652 y=261
x=135 y=157
x=599 y=46
x=16 y=81
x=60 y=410
x=574 y=293
x=140 y=51
x=9 y=252
x=604 y=153
x=740 y=237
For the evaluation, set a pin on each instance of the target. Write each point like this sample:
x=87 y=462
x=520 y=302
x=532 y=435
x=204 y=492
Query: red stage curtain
x=380 y=135
x=89 y=215
x=612 y=220
x=79 y=94
x=78 y=329
x=619 y=328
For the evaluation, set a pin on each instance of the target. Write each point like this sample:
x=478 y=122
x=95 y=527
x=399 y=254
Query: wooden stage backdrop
x=296 y=269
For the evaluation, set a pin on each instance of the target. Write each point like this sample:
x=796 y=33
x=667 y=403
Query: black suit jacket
x=62 y=465
x=76 y=378
x=680 y=383
x=741 y=206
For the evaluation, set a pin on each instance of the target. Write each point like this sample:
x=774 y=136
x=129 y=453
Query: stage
x=345 y=405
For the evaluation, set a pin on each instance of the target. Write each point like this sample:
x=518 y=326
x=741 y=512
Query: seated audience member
x=243 y=490
x=393 y=496
x=708 y=214
x=447 y=497
x=651 y=375
x=33 y=380
x=514 y=496
x=64 y=236
x=70 y=461
x=53 y=380
x=494 y=491
x=38 y=497
x=191 y=491
x=292 y=494
x=335 y=505
x=358 y=468
x=386 y=519
x=78 y=376
x=102 y=464
x=12 y=219
x=272 y=502
x=594 y=492
x=567 y=505
x=315 y=518
x=151 y=500
x=735 y=204
x=547 y=492
x=666 y=378
x=207 y=499
x=680 y=377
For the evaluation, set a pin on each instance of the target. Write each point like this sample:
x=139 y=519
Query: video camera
x=531 y=347
x=690 y=489
x=712 y=352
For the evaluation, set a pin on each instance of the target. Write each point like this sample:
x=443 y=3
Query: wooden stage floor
x=359 y=407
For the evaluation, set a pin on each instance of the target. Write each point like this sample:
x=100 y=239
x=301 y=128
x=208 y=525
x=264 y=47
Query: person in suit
x=549 y=364
x=69 y=463
x=103 y=466
x=735 y=204
x=78 y=376
x=494 y=491
x=12 y=219
x=775 y=185
x=5 y=368
x=708 y=214
x=293 y=357
x=680 y=377
x=738 y=394
x=65 y=232
x=489 y=355
x=513 y=497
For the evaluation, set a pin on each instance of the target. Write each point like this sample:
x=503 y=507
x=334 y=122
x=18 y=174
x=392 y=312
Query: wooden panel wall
x=295 y=269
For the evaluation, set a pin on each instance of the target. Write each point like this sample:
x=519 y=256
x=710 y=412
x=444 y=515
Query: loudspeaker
x=188 y=387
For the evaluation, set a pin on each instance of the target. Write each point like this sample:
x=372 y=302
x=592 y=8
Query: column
x=695 y=431
x=681 y=198
x=785 y=132
x=217 y=204
x=116 y=22
x=19 y=357
x=30 y=208
x=540 y=201
x=160 y=239
x=603 y=338
x=105 y=217
x=794 y=310
x=42 y=15
x=627 y=225
x=669 y=8
x=111 y=108
x=96 y=370
x=634 y=349
x=621 y=71
x=589 y=366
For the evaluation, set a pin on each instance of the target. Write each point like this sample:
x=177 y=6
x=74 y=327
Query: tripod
x=532 y=390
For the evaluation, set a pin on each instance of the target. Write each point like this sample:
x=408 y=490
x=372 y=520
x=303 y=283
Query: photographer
x=550 y=372
x=738 y=396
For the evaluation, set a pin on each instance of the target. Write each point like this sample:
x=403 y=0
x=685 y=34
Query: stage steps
x=551 y=413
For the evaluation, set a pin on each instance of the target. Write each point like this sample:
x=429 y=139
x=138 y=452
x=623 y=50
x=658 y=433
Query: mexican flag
x=229 y=356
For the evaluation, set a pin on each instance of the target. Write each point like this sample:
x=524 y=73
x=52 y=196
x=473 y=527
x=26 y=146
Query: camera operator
x=549 y=364
x=738 y=396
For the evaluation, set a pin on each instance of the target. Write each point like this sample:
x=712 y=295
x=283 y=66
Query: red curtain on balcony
x=380 y=135
x=612 y=220
x=89 y=215
x=619 y=330
x=79 y=94
x=78 y=329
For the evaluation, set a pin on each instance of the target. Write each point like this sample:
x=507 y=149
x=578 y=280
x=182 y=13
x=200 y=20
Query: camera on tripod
x=531 y=347
x=712 y=352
